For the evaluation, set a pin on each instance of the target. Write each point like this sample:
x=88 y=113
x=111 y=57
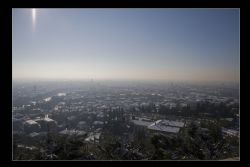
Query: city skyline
x=141 y=44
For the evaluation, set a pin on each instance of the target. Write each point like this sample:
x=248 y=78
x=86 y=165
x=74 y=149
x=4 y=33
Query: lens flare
x=33 y=16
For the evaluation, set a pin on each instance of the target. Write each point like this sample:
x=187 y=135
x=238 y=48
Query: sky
x=136 y=44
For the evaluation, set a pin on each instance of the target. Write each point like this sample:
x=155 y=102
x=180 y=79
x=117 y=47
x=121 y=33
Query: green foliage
x=191 y=143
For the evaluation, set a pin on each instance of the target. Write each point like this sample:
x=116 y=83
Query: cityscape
x=125 y=84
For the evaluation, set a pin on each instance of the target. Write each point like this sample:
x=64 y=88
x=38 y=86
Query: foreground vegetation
x=194 y=142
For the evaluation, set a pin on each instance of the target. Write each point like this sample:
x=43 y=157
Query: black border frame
x=6 y=42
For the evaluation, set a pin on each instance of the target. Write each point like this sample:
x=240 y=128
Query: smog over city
x=125 y=84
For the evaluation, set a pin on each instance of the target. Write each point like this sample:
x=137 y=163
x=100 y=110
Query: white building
x=166 y=126
x=230 y=132
x=31 y=126
x=72 y=132
x=93 y=138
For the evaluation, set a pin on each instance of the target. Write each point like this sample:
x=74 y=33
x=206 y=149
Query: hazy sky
x=154 y=44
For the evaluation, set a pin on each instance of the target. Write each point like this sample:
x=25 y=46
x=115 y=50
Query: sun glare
x=33 y=16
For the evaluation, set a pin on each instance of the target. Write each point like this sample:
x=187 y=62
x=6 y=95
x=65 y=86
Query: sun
x=33 y=16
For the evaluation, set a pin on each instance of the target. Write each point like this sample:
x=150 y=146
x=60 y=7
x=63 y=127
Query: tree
x=192 y=129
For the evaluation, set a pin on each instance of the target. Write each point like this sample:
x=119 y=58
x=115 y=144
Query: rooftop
x=141 y=122
x=31 y=122
x=172 y=123
x=166 y=126
x=72 y=132
x=48 y=120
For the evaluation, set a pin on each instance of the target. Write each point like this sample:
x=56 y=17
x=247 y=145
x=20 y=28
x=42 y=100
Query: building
x=142 y=122
x=72 y=132
x=230 y=132
x=93 y=138
x=47 y=124
x=30 y=126
x=166 y=126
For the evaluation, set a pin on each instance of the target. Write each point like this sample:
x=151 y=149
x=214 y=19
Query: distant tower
x=34 y=89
